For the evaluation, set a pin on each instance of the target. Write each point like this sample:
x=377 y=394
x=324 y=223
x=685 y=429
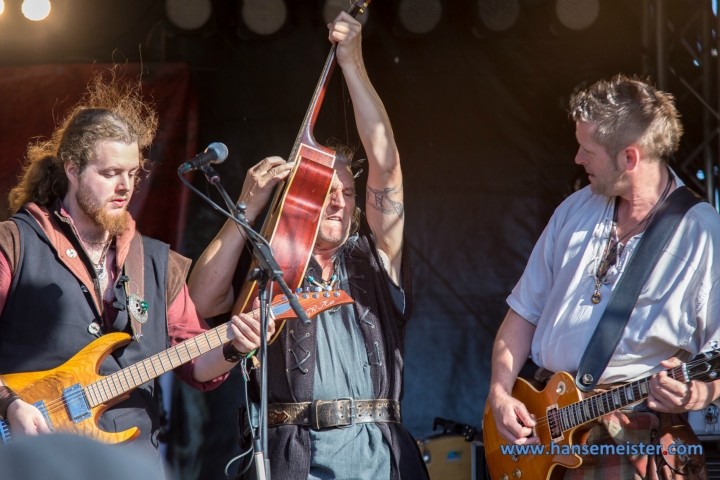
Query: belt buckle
x=353 y=409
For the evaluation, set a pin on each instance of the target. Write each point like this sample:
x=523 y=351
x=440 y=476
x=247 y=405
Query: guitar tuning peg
x=714 y=345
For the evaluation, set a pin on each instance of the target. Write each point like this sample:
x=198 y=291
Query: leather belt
x=334 y=413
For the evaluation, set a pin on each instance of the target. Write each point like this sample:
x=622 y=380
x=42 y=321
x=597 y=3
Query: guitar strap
x=135 y=286
x=622 y=301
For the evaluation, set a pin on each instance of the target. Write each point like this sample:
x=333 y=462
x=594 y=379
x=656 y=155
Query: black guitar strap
x=622 y=301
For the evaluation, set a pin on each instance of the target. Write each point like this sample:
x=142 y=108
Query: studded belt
x=335 y=413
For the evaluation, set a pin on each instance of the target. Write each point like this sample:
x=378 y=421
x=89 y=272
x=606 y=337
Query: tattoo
x=380 y=200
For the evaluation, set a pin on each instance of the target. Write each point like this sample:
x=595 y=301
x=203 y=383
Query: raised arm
x=210 y=283
x=385 y=209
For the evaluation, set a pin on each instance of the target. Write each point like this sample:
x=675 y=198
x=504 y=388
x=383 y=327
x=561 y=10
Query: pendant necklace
x=614 y=248
x=99 y=267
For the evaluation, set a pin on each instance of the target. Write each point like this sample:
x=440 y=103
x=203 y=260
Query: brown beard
x=93 y=208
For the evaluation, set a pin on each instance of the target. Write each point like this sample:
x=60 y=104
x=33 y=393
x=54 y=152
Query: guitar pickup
x=554 y=425
x=76 y=403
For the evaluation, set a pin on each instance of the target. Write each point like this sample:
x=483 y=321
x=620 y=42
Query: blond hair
x=626 y=111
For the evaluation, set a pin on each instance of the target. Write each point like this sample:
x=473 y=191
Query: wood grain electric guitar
x=73 y=396
x=561 y=410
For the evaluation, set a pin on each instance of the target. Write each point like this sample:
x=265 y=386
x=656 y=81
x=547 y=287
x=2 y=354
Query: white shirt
x=677 y=313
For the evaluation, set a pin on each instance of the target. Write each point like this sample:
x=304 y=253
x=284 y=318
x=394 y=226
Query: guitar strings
x=62 y=402
x=541 y=421
x=55 y=404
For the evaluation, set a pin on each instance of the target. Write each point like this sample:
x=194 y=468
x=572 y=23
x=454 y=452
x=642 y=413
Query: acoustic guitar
x=293 y=220
x=72 y=396
x=561 y=410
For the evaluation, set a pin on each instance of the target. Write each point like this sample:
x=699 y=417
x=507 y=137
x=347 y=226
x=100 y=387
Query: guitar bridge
x=556 y=431
x=40 y=405
x=76 y=403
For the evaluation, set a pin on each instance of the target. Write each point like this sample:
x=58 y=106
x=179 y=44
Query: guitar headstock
x=358 y=8
x=313 y=303
x=705 y=367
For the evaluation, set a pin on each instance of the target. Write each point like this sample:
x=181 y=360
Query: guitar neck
x=306 y=130
x=305 y=135
x=594 y=407
x=129 y=378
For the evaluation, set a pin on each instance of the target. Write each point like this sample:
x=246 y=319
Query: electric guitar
x=72 y=396
x=560 y=410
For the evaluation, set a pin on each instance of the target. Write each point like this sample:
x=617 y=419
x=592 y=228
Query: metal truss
x=680 y=44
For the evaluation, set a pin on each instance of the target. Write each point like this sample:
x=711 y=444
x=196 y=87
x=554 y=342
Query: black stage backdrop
x=485 y=141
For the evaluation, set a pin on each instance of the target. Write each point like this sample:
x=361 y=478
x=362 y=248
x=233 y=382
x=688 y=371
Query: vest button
x=71 y=253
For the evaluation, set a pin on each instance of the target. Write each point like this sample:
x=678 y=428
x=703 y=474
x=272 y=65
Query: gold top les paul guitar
x=560 y=410
x=73 y=396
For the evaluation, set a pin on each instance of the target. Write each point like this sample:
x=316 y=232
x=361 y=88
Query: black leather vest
x=48 y=310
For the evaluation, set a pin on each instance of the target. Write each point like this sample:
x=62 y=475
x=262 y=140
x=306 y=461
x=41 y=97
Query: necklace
x=324 y=284
x=93 y=243
x=614 y=248
x=100 y=265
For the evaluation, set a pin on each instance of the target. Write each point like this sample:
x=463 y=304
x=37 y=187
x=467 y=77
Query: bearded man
x=70 y=258
x=352 y=352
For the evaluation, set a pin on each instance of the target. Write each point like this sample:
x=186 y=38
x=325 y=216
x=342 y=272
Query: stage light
x=188 y=14
x=36 y=10
x=264 y=17
x=499 y=15
x=577 y=14
x=420 y=16
x=2 y=6
x=333 y=8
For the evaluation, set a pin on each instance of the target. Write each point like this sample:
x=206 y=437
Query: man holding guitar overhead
x=73 y=268
x=627 y=131
x=345 y=368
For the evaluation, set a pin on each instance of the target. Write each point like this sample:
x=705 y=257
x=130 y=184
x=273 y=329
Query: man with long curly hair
x=73 y=267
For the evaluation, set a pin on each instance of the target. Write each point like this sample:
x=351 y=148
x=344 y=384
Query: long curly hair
x=111 y=109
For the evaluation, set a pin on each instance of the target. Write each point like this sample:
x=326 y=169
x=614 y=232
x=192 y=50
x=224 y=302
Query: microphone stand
x=267 y=271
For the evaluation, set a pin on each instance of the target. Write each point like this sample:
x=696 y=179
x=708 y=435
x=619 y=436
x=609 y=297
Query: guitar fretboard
x=135 y=375
x=589 y=409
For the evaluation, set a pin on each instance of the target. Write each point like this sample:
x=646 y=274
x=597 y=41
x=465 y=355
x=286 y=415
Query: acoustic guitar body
x=294 y=220
x=559 y=392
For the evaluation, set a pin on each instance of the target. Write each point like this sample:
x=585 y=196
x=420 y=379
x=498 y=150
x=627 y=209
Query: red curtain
x=33 y=99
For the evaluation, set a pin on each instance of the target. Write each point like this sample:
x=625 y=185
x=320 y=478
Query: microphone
x=215 y=153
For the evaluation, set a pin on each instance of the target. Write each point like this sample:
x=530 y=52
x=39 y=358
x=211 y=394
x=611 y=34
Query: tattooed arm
x=385 y=210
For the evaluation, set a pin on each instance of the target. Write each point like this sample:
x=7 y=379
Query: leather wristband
x=7 y=396
x=233 y=355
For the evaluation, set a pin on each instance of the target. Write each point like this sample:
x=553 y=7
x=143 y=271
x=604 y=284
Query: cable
x=217 y=207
